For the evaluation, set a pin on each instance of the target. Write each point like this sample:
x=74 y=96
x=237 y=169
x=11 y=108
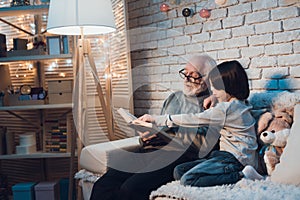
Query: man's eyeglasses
x=190 y=78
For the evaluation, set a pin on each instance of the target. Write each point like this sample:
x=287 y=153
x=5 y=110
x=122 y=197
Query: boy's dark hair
x=231 y=77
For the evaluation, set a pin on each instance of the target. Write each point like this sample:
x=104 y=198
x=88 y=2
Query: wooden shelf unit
x=35 y=107
x=23 y=10
x=5 y=60
x=18 y=167
x=12 y=110
x=35 y=155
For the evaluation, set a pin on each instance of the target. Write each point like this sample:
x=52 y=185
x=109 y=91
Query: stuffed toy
x=273 y=148
x=274 y=127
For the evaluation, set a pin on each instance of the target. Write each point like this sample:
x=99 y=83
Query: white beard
x=191 y=89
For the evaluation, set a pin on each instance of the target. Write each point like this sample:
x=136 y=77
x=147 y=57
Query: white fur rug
x=244 y=189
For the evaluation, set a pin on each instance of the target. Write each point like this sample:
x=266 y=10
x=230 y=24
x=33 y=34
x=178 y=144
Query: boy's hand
x=146 y=118
x=210 y=102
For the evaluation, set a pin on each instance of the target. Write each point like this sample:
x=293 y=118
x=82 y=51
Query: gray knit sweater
x=198 y=140
x=235 y=123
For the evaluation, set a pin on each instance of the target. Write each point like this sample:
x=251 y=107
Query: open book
x=142 y=126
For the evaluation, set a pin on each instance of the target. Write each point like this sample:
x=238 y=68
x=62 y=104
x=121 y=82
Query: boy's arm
x=213 y=116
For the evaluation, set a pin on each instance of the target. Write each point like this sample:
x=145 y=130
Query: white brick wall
x=287 y=36
x=292 y=24
x=253 y=51
x=268 y=27
x=296 y=46
x=243 y=31
x=279 y=49
x=275 y=73
x=238 y=42
x=241 y=9
x=264 y=35
x=261 y=39
x=257 y=17
x=295 y=72
x=284 y=13
x=234 y=21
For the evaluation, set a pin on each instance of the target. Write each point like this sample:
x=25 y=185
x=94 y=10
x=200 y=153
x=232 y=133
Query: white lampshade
x=67 y=17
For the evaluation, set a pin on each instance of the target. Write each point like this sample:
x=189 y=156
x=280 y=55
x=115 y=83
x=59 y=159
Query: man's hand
x=210 y=102
x=145 y=136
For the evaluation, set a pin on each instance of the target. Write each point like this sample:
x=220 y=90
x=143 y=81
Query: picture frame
x=54 y=45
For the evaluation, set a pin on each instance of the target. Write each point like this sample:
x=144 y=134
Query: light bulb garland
x=220 y=2
x=164 y=7
x=23 y=67
x=23 y=70
x=204 y=13
x=189 y=12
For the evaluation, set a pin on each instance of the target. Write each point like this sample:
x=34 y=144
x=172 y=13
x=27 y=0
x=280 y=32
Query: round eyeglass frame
x=188 y=77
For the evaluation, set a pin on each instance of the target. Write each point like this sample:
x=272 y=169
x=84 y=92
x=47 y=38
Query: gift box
x=47 y=190
x=23 y=191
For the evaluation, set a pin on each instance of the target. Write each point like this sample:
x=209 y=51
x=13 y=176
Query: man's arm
x=171 y=105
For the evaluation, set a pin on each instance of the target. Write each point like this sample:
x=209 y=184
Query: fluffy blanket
x=244 y=189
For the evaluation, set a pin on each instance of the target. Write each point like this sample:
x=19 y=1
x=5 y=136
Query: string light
x=69 y=61
x=52 y=66
x=29 y=66
x=220 y=2
x=32 y=25
x=164 y=7
x=107 y=76
x=204 y=13
x=62 y=74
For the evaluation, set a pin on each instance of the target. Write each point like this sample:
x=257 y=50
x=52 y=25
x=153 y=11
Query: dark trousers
x=119 y=185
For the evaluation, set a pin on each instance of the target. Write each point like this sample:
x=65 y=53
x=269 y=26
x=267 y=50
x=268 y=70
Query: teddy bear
x=273 y=128
x=273 y=148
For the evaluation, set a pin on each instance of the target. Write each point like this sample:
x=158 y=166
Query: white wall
x=264 y=35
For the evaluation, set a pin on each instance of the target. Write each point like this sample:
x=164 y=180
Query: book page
x=128 y=117
x=134 y=121
x=142 y=126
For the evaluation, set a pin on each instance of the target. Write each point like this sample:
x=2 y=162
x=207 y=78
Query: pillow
x=288 y=170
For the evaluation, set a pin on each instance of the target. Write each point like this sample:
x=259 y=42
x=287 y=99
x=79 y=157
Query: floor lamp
x=81 y=17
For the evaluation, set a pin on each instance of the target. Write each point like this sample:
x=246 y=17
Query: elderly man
x=160 y=156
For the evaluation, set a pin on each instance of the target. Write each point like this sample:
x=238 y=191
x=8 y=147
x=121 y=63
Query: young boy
x=238 y=144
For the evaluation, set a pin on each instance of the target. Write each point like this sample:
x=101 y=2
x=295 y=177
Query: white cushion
x=94 y=158
x=288 y=170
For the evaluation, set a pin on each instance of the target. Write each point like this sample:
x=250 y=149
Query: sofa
x=283 y=184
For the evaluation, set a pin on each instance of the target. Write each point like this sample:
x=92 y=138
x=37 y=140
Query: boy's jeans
x=219 y=168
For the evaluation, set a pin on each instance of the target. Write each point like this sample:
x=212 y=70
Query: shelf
x=22 y=10
x=45 y=114
x=34 y=58
x=35 y=155
x=34 y=107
